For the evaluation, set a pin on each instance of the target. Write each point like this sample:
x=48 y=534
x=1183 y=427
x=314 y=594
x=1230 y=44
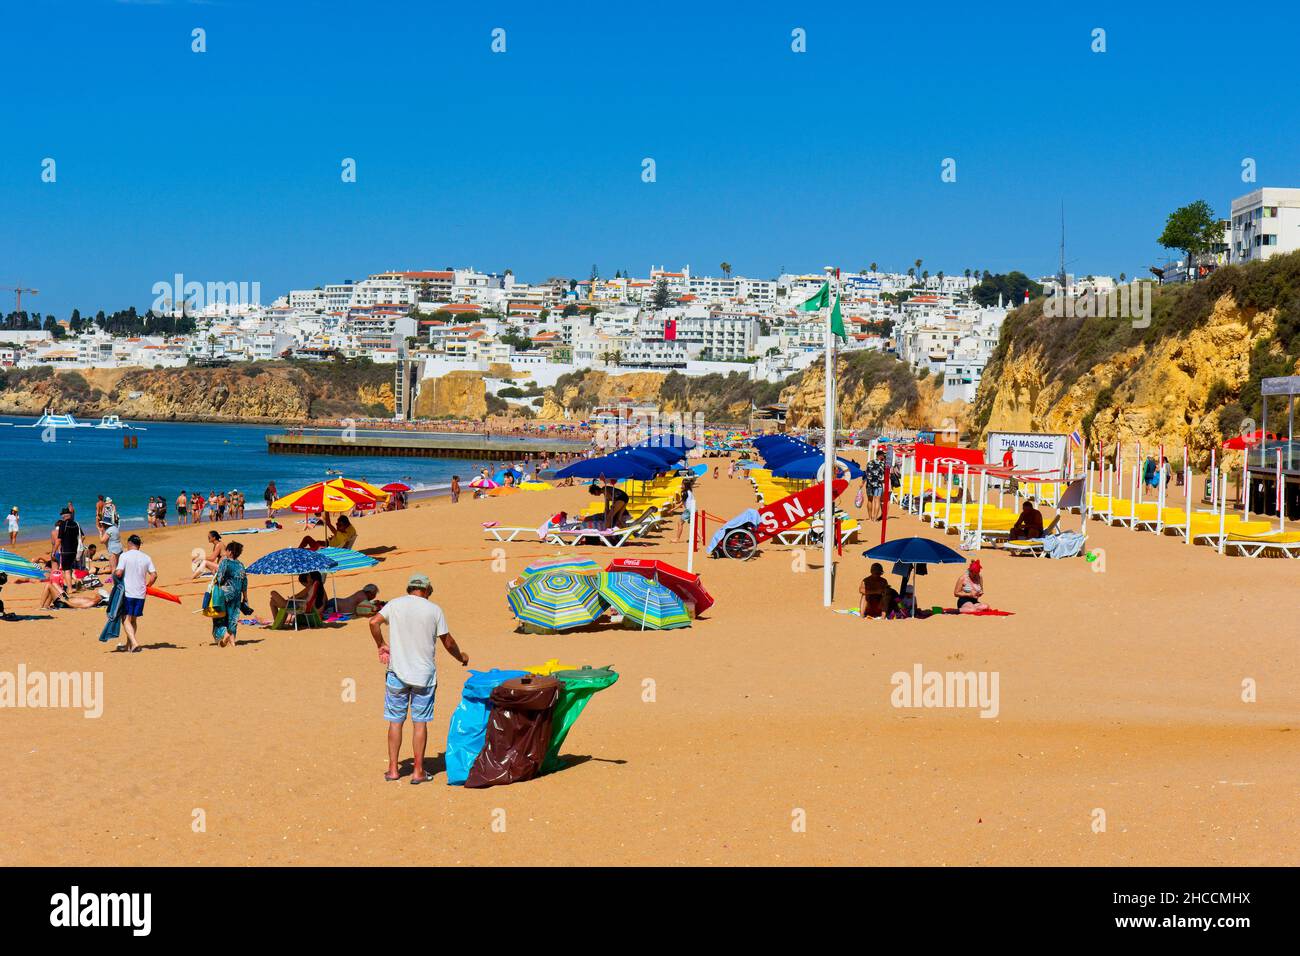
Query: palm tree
x=726 y=270
x=873 y=267
x=967 y=273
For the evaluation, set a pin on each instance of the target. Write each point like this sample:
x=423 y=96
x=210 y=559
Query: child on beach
x=11 y=525
x=455 y=488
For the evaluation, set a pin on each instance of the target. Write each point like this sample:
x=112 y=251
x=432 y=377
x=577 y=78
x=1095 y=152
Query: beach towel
x=987 y=612
x=113 y=610
x=1066 y=544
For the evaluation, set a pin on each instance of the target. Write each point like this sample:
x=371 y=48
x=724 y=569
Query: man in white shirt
x=11 y=525
x=137 y=572
x=415 y=625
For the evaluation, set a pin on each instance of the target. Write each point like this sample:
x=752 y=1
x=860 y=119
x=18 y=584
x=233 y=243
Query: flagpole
x=828 y=468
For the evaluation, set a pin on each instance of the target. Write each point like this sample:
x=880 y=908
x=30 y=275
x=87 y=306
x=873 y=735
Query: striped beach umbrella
x=16 y=566
x=356 y=484
x=643 y=601
x=345 y=559
x=556 y=601
x=325 y=496
x=565 y=565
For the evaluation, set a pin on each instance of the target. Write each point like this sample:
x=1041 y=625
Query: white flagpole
x=690 y=542
x=1187 y=496
x=1281 y=513
x=1134 y=504
x=979 y=517
x=828 y=467
x=965 y=493
x=1223 y=509
x=947 y=506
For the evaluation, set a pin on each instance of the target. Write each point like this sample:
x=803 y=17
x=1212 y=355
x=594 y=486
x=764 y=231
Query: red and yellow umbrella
x=326 y=496
x=354 y=484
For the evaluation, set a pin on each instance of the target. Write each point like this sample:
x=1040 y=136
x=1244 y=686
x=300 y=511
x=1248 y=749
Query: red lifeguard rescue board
x=785 y=513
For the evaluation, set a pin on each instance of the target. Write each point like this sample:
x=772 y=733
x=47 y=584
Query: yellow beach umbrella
x=325 y=496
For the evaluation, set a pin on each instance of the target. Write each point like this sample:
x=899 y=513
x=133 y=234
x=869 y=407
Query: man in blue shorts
x=138 y=574
x=415 y=625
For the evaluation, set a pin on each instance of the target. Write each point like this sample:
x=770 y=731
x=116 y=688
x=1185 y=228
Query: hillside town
x=429 y=322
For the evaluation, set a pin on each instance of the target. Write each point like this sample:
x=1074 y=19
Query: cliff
x=1191 y=377
x=454 y=395
x=255 y=392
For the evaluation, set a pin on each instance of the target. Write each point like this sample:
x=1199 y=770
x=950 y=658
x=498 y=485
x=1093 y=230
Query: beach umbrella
x=643 y=601
x=556 y=601
x=685 y=584
x=915 y=551
x=1244 y=441
x=807 y=467
x=355 y=484
x=17 y=566
x=665 y=455
x=292 y=561
x=325 y=496
x=566 y=565
x=611 y=467
x=396 y=486
x=345 y=559
x=483 y=481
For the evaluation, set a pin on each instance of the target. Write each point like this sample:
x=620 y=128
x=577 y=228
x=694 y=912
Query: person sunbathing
x=878 y=595
x=344 y=536
x=1029 y=524
x=348 y=605
x=309 y=598
x=207 y=563
x=969 y=590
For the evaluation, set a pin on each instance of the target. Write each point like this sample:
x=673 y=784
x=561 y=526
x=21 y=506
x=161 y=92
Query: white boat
x=49 y=420
x=113 y=422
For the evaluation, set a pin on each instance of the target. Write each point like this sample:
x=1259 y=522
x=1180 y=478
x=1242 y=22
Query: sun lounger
x=510 y=534
x=1285 y=543
x=613 y=538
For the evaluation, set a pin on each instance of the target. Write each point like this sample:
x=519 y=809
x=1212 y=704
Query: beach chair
x=302 y=618
x=613 y=538
x=1205 y=528
x=510 y=534
x=1283 y=543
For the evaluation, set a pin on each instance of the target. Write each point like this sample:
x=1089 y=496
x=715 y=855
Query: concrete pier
x=420 y=445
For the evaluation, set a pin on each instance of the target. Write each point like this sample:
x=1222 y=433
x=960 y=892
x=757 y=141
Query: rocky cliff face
x=454 y=395
x=876 y=393
x=1173 y=388
x=600 y=388
x=245 y=393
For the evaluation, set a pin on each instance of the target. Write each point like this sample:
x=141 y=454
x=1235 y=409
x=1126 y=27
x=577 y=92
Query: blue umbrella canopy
x=806 y=468
x=643 y=600
x=345 y=559
x=915 y=551
x=667 y=440
x=556 y=600
x=612 y=467
x=17 y=566
x=776 y=457
x=291 y=561
x=667 y=456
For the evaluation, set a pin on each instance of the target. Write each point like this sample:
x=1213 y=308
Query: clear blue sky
x=225 y=165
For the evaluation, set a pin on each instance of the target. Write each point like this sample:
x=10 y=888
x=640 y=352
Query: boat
x=114 y=422
x=48 y=420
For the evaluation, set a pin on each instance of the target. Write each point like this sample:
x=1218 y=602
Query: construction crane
x=18 y=295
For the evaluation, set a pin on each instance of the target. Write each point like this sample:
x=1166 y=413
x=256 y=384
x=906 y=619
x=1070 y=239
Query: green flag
x=820 y=300
x=837 y=321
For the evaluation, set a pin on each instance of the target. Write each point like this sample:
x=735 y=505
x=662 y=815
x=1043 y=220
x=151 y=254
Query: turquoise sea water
x=82 y=463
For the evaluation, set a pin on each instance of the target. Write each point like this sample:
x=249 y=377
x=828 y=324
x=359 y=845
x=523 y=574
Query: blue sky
x=225 y=165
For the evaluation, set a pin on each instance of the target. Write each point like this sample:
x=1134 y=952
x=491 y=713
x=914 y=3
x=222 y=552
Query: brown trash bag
x=518 y=731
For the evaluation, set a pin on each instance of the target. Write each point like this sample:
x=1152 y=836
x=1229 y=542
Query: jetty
x=420 y=445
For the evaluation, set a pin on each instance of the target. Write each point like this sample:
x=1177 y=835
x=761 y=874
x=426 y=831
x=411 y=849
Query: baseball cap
x=418 y=580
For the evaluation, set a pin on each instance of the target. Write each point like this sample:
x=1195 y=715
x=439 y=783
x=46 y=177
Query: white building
x=1265 y=223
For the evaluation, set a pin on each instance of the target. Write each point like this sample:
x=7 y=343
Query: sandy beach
x=1121 y=691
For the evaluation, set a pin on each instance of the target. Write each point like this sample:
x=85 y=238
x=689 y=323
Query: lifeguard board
x=785 y=513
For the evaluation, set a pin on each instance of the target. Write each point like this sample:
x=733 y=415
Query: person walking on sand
x=111 y=535
x=415 y=625
x=269 y=496
x=138 y=574
x=233 y=582
x=455 y=488
x=11 y=525
x=65 y=542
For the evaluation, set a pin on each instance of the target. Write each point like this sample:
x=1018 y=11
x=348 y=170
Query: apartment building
x=1264 y=223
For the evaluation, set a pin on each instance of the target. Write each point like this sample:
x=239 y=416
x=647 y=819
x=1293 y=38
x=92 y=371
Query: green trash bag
x=577 y=687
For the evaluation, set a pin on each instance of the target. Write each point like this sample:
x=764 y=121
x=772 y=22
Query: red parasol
x=396 y=486
x=1250 y=440
x=684 y=584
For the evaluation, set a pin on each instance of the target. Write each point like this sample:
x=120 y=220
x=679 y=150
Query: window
x=1270 y=212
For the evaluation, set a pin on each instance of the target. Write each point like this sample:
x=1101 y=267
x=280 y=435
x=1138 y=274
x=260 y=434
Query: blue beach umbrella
x=643 y=600
x=345 y=559
x=611 y=467
x=806 y=468
x=556 y=601
x=17 y=566
x=291 y=561
x=915 y=551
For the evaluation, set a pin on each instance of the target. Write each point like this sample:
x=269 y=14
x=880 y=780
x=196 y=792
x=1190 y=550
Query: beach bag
x=214 y=602
x=859 y=498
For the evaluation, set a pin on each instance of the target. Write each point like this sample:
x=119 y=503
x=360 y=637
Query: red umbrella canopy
x=396 y=486
x=684 y=584
x=1250 y=440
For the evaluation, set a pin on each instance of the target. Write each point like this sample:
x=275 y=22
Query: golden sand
x=1121 y=691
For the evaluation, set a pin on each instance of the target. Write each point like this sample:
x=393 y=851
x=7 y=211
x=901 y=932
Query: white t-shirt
x=136 y=566
x=414 y=626
x=11 y=522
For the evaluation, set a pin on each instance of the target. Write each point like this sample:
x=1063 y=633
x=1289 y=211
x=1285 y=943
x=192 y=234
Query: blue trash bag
x=468 y=730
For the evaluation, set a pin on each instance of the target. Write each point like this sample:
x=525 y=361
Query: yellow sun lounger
x=1286 y=543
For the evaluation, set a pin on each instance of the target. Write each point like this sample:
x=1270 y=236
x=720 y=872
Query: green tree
x=1192 y=228
x=660 y=296
x=726 y=270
